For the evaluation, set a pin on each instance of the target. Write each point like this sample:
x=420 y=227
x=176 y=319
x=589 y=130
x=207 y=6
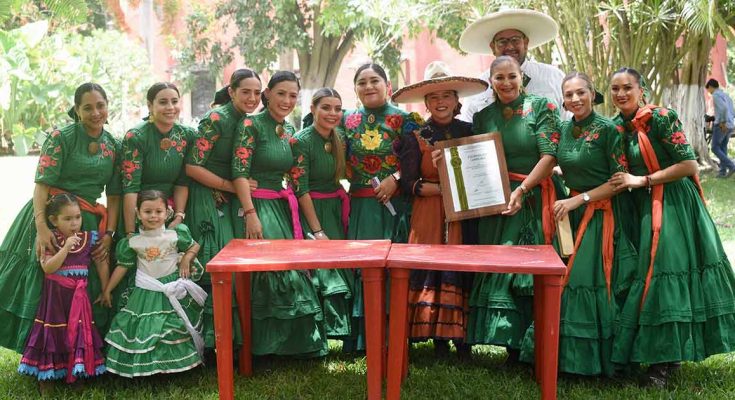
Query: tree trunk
x=687 y=97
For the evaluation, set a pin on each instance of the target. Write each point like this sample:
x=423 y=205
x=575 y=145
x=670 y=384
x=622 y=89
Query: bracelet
x=248 y=212
x=42 y=212
x=396 y=176
x=318 y=232
x=523 y=187
x=415 y=184
x=180 y=214
x=648 y=183
x=224 y=183
x=109 y=233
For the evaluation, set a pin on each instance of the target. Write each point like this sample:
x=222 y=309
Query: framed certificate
x=473 y=176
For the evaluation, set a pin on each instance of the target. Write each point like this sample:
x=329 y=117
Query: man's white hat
x=437 y=78
x=538 y=27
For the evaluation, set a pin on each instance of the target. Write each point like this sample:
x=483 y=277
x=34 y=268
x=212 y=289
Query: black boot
x=441 y=348
x=464 y=351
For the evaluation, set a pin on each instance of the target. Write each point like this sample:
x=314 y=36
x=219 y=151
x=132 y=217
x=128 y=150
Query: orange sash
x=608 y=232
x=96 y=209
x=640 y=122
x=548 y=197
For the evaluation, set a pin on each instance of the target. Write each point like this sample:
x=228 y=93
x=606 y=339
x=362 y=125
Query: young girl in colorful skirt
x=64 y=342
x=159 y=329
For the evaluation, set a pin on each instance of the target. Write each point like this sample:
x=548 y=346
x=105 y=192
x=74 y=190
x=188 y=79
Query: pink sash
x=342 y=195
x=80 y=317
x=293 y=204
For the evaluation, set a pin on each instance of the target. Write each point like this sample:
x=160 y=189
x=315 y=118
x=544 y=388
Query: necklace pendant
x=93 y=148
x=576 y=132
x=328 y=147
x=165 y=144
x=279 y=130
x=371 y=119
x=507 y=113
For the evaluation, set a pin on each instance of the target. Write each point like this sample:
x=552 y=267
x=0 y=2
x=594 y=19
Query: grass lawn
x=343 y=377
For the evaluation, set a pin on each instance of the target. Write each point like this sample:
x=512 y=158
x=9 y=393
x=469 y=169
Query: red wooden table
x=541 y=261
x=242 y=257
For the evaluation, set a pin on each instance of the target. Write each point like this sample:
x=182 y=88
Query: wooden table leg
x=549 y=358
x=372 y=279
x=398 y=326
x=222 y=304
x=242 y=290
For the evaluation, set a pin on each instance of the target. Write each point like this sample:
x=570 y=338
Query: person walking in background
x=723 y=126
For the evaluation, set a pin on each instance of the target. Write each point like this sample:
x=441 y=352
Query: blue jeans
x=719 y=147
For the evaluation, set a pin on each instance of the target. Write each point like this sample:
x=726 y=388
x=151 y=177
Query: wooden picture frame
x=476 y=183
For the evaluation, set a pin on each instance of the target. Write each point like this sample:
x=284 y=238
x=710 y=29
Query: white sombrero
x=538 y=27
x=437 y=78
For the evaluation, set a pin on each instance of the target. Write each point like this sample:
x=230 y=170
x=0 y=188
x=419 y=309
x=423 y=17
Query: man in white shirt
x=513 y=33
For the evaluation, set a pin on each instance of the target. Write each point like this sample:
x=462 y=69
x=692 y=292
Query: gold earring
x=641 y=103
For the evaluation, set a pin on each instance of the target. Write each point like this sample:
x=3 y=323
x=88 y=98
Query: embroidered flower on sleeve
x=551 y=106
x=214 y=116
x=678 y=138
x=555 y=136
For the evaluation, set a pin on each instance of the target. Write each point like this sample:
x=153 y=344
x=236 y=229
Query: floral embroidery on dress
x=153 y=253
x=394 y=121
x=206 y=141
x=244 y=151
x=372 y=139
x=353 y=121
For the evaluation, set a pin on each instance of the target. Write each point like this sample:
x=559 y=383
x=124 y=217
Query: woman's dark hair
x=148 y=195
x=157 y=87
x=375 y=67
x=81 y=90
x=59 y=201
x=278 y=77
x=338 y=149
x=222 y=96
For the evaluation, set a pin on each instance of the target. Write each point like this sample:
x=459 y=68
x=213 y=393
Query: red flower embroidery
x=555 y=137
x=391 y=160
x=292 y=141
x=354 y=161
x=551 y=106
x=214 y=116
x=243 y=154
x=678 y=138
x=247 y=122
x=55 y=133
x=386 y=136
x=622 y=160
x=215 y=138
x=620 y=128
x=663 y=112
x=128 y=167
x=296 y=172
x=394 y=121
x=203 y=144
x=44 y=161
x=129 y=135
x=371 y=164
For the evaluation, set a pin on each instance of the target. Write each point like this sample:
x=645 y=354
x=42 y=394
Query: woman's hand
x=101 y=251
x=516 y=197
x=321 y=236
x=623 y=180
x=253 y=184
x=45 y=241
x=177 y=220
x=436 y=155
x=564 y=207
x=184 y=269
x=253 y=228
x=386 y=189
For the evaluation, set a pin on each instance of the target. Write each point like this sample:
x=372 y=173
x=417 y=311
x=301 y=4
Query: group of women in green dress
x=648 y=282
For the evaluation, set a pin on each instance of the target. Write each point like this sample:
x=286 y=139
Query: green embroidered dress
x=369 y=137
x=314 y=172
x=590 y=151
x=148 y=336
x=501 y=304
x=689 y=311
x=65 y=163
x=287 y=317
x=211 y=213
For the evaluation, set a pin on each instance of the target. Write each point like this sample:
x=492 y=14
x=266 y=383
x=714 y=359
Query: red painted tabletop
x=540 y=260
x=245 y=255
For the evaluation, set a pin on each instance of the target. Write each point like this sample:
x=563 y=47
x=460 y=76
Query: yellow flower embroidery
x=151 y=253
x=372 y=139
